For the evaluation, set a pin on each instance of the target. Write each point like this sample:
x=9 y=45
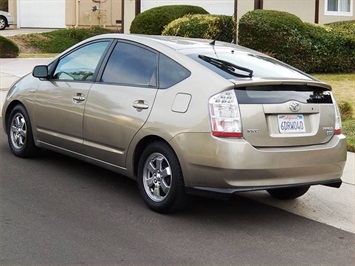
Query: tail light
x=225 y=115
x=337 y=126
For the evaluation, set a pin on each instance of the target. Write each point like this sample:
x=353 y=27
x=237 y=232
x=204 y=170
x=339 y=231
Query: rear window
x=261 y=65
x=269 y=94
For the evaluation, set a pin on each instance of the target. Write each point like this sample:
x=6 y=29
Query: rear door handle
x=141 y=104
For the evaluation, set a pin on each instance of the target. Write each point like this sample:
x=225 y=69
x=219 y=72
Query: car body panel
x=228 y=163
x=58 y=113
x=116 y=109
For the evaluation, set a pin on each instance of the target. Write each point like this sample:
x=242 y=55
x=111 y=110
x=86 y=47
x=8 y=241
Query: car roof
x=182 y=44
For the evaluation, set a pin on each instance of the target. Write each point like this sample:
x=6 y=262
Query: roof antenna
x=213 y=47
x=213 y=43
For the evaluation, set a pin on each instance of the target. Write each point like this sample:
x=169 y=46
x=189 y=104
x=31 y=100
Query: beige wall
x=304 y=9
x=13 y=10
x=244 y=6
x=129 y=13
x=79 y=13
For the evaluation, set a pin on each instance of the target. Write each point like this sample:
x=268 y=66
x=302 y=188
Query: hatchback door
x=120 y=103
x=276 y=114
x=60 y=100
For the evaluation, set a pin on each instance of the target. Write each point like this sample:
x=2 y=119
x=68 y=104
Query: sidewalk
x=335 y=207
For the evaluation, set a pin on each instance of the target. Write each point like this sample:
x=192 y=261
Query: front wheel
x=288 y=193
x=19 y=133
x=160 y=179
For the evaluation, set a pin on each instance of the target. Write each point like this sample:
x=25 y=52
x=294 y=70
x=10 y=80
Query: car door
x=60 y=99
x=119 y=104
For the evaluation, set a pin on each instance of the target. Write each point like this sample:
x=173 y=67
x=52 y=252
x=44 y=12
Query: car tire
x=288 y=193
x=19 y=133
x=160 y=179
x=3 y=23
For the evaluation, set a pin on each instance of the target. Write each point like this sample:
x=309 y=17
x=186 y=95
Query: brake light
x=338 y=126
x=225 y=115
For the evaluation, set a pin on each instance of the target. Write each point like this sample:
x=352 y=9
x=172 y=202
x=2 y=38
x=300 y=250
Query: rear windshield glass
x=262 y=66
x=269 y=94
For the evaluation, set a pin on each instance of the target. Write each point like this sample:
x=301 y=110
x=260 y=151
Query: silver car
x=6 y=19
x=181 y=116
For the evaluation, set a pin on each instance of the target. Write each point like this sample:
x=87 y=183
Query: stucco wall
x=304 y=9
x=13 y=10
x=79 y=13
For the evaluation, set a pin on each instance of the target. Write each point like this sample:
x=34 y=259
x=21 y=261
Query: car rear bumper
x=234 y=164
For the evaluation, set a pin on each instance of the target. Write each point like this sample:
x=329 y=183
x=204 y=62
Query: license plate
x=291 y=123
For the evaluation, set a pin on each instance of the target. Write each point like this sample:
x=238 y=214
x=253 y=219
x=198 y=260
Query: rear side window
x=131 y=64
x=170 y=72
x=269 y=94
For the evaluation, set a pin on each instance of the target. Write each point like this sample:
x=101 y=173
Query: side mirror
x=40 y=71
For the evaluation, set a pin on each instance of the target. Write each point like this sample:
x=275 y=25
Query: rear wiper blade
x=227 y=66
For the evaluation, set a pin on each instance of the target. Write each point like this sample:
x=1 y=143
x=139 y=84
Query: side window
x=80 y=64
x=132 y=65
x=170 y=72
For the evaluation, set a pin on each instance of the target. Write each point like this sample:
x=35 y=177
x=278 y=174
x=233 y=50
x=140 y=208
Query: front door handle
x=78 y=97
x=140 y=105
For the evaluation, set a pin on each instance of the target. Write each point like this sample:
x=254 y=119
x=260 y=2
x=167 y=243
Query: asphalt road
x=55 y=210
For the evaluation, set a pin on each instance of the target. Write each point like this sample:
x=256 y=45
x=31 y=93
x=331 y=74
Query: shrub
x=311 y=48
x=152 y=21
x=217 y=27
x=345 y=109
x=347 y=27
x=8 y=49
x=4 y=5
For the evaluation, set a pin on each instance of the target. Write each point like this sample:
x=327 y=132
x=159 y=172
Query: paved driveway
x=11 y=32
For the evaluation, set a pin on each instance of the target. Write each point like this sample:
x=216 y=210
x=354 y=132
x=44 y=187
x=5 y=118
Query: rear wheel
x=160 y=179
x=19 y=133
x=288 y=193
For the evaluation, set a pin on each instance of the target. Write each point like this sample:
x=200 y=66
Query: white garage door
x=41 y=13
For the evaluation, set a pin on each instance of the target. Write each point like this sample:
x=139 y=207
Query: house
x=120 y=13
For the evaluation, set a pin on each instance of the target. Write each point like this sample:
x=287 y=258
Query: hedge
x=8 y=49
x=311 y=48
x=218 y=27
x=152 y=21
x=347 y=27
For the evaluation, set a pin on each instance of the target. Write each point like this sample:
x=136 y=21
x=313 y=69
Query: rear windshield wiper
x=227 y=66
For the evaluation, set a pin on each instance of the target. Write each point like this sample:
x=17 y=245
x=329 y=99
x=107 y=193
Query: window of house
x=339 y=7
